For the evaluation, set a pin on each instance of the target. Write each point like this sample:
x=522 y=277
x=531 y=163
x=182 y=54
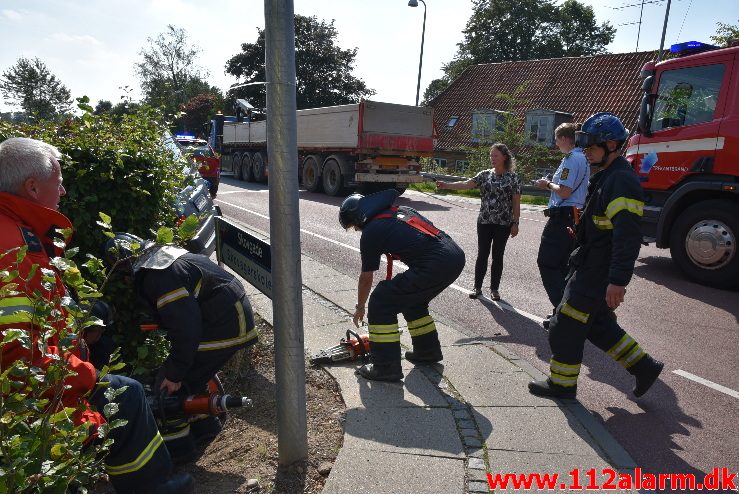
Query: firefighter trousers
x=137 y=456
x=554 y=253
x=581 y=316
x=410 y=293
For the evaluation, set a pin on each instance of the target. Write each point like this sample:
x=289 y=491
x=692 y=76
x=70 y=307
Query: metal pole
x=420 y=61
x=664 y=31
x=284 y=226
x=638 y=33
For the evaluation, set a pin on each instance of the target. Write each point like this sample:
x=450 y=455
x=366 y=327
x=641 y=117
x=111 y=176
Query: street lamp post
x=414 y=3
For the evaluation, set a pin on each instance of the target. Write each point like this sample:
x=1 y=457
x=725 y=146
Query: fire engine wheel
x=236 y=166
x=703 y=243
x=259 y=166
x=333 y=182
x=246 y=168
x=311 y=175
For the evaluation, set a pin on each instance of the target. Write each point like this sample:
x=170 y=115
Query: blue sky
x=92 y=45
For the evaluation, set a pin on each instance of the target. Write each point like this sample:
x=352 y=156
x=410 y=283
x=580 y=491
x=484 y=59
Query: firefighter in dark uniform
x=609 y=240
x=206 y=315
x=568 y=187
x=434 y=261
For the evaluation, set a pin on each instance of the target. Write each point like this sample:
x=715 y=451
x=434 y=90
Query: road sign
x=246 y=254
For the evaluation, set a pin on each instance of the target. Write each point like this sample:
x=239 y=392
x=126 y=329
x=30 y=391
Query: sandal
x=494 y=294
x=476 y=293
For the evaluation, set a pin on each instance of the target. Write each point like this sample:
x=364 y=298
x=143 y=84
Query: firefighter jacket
x=200 y=306
x=609 y=234
x=25 y=223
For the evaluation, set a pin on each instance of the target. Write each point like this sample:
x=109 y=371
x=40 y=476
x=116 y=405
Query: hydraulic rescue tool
x=352 y=347
x=177 y=405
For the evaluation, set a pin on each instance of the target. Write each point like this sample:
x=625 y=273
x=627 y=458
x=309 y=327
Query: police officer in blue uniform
x=568 y=187
x=609 y=239
x=434 y=261
x=206 y=314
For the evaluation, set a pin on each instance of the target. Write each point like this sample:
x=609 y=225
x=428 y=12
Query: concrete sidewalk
x=445 y=426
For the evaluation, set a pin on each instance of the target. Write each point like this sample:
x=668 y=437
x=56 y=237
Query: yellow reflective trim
x=417 y=323
x=170 y=297
x=428 y=328
x=388 y=338
x=567 y=382
x=632 y=357
x=620 y=345
x=198 y=286
x=144 y=457
x=244 y=335
x=383 y=326
x=602 y=222
x=577 y=315
x=564 y=369
x=179 y=434
x=620 y=203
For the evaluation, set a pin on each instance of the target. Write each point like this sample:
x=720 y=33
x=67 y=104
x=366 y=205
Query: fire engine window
x=687 y=96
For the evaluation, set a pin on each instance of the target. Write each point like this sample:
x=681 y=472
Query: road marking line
x=403 y=267
x=223 y=193
x=708 y=383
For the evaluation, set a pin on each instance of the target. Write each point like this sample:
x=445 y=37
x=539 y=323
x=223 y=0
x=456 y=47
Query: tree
x=35 y=89
x=725 y=33
x=103 y=106
x=197 y=113
x=510 y=30
x=323 y=70
x=168 y=72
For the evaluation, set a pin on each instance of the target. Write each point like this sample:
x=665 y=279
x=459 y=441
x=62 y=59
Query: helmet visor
x=585 y=139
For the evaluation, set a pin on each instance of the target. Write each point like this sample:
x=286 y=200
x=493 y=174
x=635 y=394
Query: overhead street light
x=414 y=3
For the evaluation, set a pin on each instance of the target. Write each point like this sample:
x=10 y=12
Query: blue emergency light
x=691 y=47
x=184 y=136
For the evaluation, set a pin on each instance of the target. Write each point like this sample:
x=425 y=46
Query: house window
x=439 y=162
x=486 y=122
x=540 y=128
x=452 y=121
x=462 y=165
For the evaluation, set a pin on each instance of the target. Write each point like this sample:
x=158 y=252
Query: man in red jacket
x=30 y=190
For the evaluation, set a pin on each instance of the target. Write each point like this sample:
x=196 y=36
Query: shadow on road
x=662 y=271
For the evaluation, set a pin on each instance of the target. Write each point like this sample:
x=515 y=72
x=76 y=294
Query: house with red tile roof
x=547 y=93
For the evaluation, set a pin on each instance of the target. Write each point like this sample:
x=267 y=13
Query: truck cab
x=686 y=153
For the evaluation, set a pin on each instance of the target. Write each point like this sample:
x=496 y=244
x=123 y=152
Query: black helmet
x=349 y=212
x=121 y=247
x=357 y=210
x=102 y=311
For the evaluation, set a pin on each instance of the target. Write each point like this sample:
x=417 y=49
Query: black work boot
x=381 y=371
x=548 y=389
x=179 y=483
x=646 y=372
x=427 y=356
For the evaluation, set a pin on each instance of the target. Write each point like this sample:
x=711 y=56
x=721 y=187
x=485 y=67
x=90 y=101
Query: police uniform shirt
x=496 y=196
x=389 y=235
x=573 y=172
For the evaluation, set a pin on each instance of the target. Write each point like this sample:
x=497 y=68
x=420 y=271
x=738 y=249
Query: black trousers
x=554 y=253
x=409 y=293
x=490 y=237
x=137 y=456
x=583 y=315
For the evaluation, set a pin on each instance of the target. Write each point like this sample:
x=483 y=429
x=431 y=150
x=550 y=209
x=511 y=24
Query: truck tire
x=259 y=166
x=333 y=180
x=703 y=243
x=311 y=174
x=236 y=166
x=246 y=167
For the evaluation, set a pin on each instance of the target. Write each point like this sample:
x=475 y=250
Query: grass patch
x=430 y=188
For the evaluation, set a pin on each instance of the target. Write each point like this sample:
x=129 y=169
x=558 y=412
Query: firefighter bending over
x=206 y=315
x=609 y=239
x=434 y=261
x=30 y=190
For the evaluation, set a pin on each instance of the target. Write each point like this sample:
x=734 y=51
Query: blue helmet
x=599 y=128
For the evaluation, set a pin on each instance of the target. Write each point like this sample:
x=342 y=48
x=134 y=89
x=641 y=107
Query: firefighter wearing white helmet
x=434 y=261
x=609 y=239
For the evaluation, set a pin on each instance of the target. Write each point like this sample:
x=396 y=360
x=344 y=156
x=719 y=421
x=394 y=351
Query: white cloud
x=11 y=15
x=83 y=39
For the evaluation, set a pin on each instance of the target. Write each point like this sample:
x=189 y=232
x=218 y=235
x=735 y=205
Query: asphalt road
x=680 y=426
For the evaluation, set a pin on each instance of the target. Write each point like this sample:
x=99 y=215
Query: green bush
x=119 y=167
